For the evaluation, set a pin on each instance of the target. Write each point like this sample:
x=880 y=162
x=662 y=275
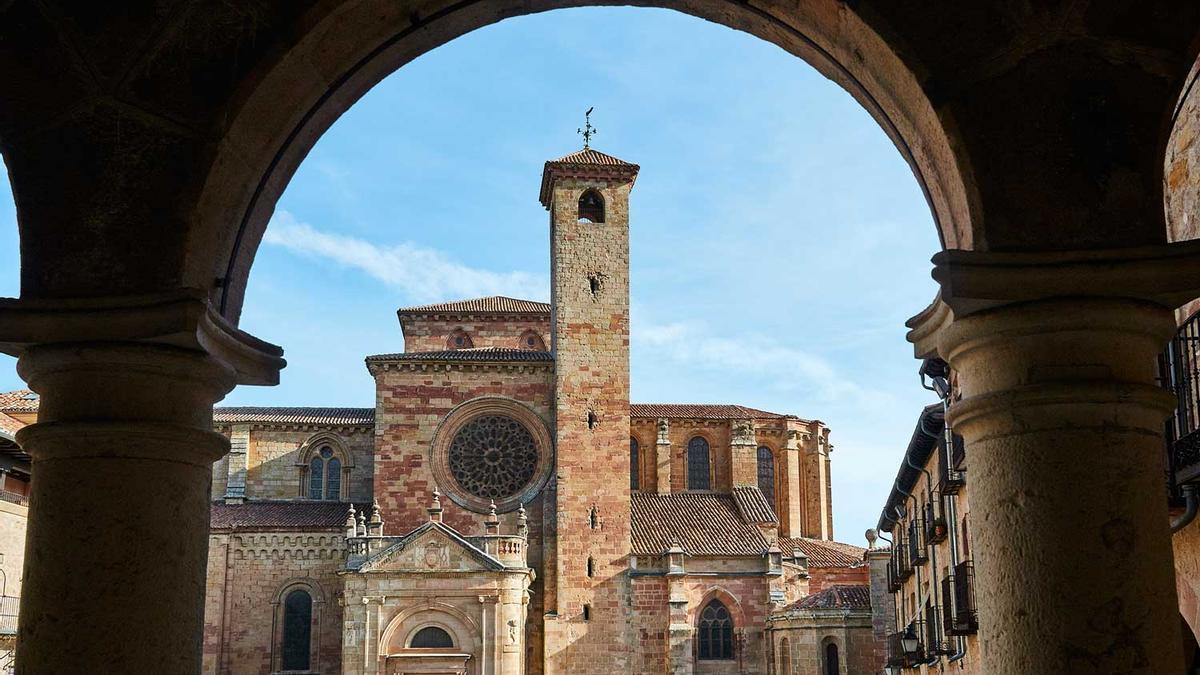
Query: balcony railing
x=917 y=552
x=934 y=645
x=900 y=557
x=959 y=615
x=8 y=614
x=1179 y=372
x=935 y=524
x=14 y=497
x=952 y=475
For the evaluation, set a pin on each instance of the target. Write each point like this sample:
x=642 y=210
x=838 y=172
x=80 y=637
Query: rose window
x=493 y=457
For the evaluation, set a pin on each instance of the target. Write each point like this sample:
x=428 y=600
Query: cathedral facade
x=504 y=509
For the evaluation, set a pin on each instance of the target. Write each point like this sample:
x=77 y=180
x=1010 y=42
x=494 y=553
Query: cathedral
x=505 y=510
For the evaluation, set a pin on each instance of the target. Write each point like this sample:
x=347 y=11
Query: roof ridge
x=499 y=304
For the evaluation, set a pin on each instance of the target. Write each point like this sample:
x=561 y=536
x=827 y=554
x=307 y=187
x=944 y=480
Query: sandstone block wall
x=433 y=334
x=246 y=573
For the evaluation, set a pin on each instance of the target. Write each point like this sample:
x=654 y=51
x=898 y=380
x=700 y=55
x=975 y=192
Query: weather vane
x=588 y=130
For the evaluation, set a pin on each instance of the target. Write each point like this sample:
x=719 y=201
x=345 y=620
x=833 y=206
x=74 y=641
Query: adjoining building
x=504 y=509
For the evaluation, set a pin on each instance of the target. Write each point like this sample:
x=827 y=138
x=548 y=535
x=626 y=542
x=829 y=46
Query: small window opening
x=594 y=517
x=591 y=567
x=592 y=420
x=594 y=283
x=587 y=612
x=431 y=637
x=591 y=207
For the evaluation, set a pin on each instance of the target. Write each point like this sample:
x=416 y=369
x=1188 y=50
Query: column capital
x=971 y=282
x=182 y=318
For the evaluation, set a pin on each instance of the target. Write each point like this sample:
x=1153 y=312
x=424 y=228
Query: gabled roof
x=378 y=558
x=824 y=553
x=493 y=304
x=702 y=411
x=753 y=505
x=854 y=597
x=273 y=515
x=591 y=156
x=703 y=523
x=283 y=415
x=484 y=354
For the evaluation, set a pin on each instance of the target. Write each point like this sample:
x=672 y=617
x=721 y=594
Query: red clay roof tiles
x=281 y=514
x=702 y=411
x=472 y=354
x=20 y=400
x=278 y=415
x=753 y=505
x=824 y=553
x=703 y=523
x=493 y=304
x=836 y=597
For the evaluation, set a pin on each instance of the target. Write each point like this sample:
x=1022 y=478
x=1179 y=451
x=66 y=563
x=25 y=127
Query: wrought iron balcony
x=959 y=615
x=901 y=560
x=952 y=475
x=917 y=551
x=1179 y=372
x=935 y=524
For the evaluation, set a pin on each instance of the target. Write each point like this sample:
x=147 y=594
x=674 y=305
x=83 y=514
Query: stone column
x=1063 y=426
x=662 y=458
x=117 y=543
x=743 y=452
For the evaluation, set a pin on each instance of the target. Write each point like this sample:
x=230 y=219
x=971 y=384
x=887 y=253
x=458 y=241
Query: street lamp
x=909 y=641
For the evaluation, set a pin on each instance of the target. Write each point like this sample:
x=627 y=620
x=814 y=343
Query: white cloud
x=422 y=273
x=787 y=367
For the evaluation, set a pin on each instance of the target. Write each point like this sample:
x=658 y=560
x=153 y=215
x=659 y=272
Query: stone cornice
x=376 y=367
x=181 y=318
x=349 y=429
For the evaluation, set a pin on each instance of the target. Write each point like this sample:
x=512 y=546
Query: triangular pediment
x=433 y=547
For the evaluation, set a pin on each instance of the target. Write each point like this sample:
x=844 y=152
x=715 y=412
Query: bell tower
x=588 y=529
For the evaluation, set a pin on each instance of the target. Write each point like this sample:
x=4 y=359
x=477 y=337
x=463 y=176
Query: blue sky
x=779 y=241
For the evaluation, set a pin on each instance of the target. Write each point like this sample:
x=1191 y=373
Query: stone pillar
x=1063 y=426
x=883 y=606
x=743 y=454
x=117 y=543
x=118 y=529
x=238 y=464
x=662 y=458
x=790 y=503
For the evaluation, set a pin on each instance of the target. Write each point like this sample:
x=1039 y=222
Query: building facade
x=504 y=509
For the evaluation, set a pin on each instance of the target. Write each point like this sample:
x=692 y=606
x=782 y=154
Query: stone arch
x=401 y=628
x=313 y=445
x=728 y=599
x=831 y=663
x=341 y=54
x=317 y=594
x=711 y=439
x=531 y=340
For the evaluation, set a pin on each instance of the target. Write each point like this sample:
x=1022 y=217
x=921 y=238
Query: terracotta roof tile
x=836 y=597
x=591 y=156
x=703 y=523
x=20 y=400
x=493 y=304
x=702 y=411
x=472 y=354
x=753 y=505
x=824 y=553
x=279 y=415
x=10 y=425
x=281 y=514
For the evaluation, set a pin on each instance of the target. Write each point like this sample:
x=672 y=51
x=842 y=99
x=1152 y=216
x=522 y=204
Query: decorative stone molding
x=474 y=409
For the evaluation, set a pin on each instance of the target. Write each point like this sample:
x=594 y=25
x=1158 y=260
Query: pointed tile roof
x=753 y=505
x=825 y=553
x=492 y=304
x=585 y=163
x=293 y=415
x=481 y=354
x=837 y=597
x=703 y=523
x=271 y=515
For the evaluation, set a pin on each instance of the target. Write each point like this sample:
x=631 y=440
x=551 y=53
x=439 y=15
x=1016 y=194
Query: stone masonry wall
x=410 y=404
x=587 y=629
x=246 y=573
x=433 y=334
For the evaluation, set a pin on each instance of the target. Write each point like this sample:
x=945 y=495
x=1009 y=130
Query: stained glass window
x=325 y=475
x=715 y=632
x=432 y=637
x=633 y=464
x=297 y=630
x=698 y=464
x=493 y=457
x=766 y=475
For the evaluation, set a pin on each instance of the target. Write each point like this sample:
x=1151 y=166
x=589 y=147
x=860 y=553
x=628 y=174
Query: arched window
x=591 y=206
x=459 y=340
x=832 y=667
x=698 y=462
x=431 y=637
x=325 y=475
x=532 y=342
x=297 y=630
x=766 y=474
x=715 y=632
x=785 y=657
x=633 y=464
